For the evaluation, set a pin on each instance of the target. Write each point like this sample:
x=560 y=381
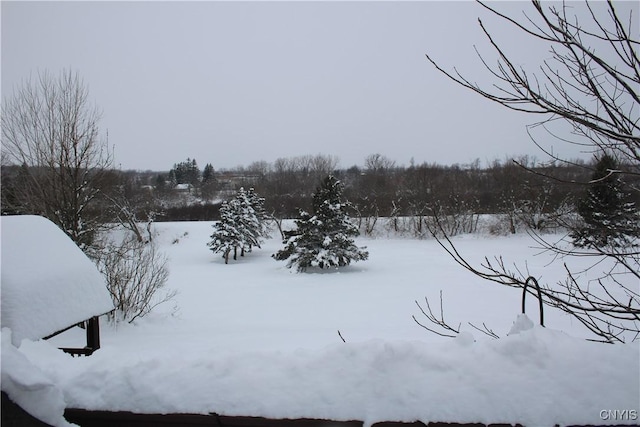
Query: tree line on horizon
x=523 y=190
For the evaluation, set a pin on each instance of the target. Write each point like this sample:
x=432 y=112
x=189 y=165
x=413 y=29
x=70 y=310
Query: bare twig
x=485 y=330
x=440 y=322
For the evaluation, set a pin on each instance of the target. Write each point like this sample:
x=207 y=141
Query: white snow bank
x=535 y=376
x=28 y=386
x=48 y=283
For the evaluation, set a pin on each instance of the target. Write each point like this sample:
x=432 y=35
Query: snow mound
x=48 y=283
x=522 y=323
x=538 y=377
x=29 y=387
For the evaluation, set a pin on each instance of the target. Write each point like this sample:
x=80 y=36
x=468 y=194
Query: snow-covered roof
x=183 y=187
x=47 y=282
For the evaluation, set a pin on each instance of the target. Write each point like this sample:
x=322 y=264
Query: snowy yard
x=254 y=338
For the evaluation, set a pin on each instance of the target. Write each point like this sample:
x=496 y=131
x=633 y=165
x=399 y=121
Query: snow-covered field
x=254 y=338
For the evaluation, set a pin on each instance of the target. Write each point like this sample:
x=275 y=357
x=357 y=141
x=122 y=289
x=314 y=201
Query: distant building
x=183 y=188
x=48 y=284
x=228 y=181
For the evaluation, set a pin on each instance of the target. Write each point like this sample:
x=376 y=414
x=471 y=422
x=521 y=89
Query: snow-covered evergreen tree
x=226 y=236
x=248 y=223
x=609 y=217
x=240 y=226
x=257 y=203
x=324 y=239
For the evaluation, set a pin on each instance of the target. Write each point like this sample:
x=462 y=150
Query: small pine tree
x=324 y=239
x=226 y=236
x=609 y=218
x=240 y=227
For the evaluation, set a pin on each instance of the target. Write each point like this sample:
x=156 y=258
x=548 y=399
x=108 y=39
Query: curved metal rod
x=524 y=294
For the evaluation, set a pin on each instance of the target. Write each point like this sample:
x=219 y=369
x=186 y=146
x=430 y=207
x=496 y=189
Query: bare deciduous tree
x=591 y=82
x=377 y=162
x=50 y=128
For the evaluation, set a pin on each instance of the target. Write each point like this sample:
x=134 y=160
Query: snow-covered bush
x=136 y=274
x=324 y=239
x=454 y=224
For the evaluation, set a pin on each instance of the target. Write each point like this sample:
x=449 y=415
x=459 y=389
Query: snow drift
x=48 y=283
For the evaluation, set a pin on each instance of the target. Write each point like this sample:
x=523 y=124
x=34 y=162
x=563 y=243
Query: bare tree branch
x=440 y=322
x=592 y=82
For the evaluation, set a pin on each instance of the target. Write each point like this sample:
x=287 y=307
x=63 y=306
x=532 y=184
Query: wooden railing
x=86 y=418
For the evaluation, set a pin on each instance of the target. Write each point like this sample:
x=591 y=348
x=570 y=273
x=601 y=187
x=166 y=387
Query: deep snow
x=48 y=283
x=28 y=386
x=254 y=338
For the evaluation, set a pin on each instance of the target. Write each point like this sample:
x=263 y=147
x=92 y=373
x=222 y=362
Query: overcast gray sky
x=230 y=83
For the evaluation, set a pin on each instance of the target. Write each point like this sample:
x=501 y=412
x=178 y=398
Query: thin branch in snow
x=433 y=319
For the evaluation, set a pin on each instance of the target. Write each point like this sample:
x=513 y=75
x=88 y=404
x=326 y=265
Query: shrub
x=136 y=273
